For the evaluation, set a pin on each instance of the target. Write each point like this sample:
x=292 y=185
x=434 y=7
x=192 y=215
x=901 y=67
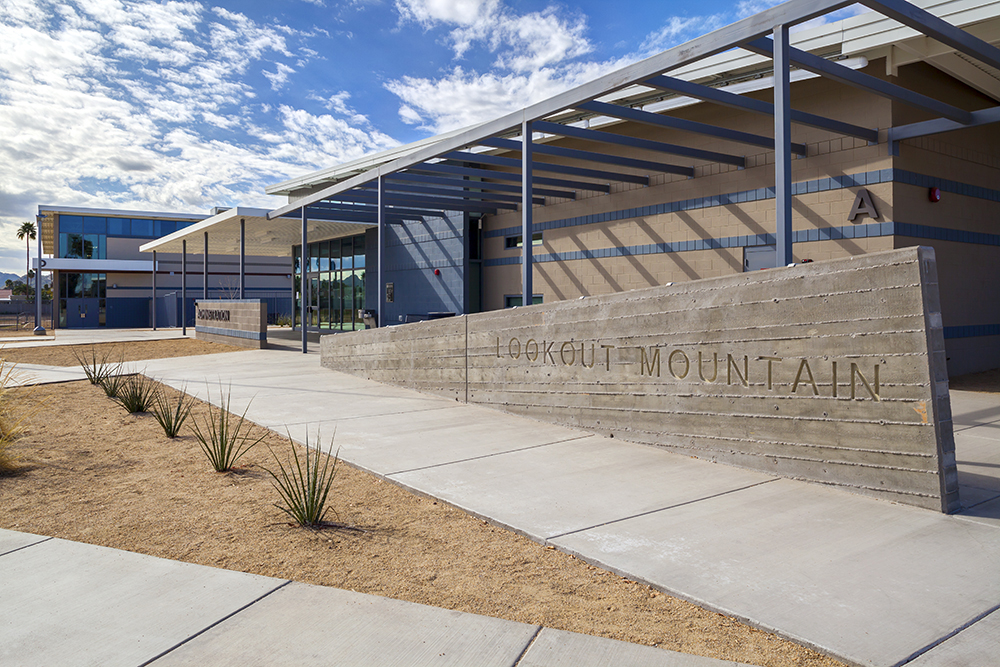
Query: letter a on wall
x=863 y=205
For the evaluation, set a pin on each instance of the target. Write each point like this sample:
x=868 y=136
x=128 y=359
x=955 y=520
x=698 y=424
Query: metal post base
x=39 y=330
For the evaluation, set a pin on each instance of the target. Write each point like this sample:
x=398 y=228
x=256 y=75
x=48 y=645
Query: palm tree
x=26 y=232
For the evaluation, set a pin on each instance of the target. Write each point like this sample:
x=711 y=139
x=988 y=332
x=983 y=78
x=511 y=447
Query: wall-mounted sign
x=863 y=205
x=390 y=292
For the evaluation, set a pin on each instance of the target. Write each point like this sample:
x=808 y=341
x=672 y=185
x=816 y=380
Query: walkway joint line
x=528 y=646
x=948 y=636
x=346 y=419
x=44 y=539
x=212 y=625
x=487 y=456
x=660 y=509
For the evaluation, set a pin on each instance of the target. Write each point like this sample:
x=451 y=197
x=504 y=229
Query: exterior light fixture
x=934 y=195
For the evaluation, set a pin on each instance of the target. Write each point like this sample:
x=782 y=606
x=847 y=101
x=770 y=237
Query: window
x=513 y=300
x=518 y=241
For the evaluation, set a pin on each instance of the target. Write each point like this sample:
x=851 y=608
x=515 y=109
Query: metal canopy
x=264 y=237
x=475 y=170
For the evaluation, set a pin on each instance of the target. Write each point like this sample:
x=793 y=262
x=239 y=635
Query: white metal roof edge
x=44 y=208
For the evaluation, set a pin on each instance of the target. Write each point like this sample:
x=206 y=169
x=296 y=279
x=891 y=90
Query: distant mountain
x=4 y=277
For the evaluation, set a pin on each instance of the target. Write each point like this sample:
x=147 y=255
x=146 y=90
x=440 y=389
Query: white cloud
x=679 y=29
x=279 y=76
x=465 y=98
x=521 y=41
x=146 y=105
x=460 y=12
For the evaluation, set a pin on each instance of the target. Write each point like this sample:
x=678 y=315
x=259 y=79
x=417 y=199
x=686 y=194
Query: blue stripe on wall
x=972 y=331
x=872 y=230
x=818 y=185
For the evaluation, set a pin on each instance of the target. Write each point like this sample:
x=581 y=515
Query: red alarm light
x=437 y=272
x=934 y=194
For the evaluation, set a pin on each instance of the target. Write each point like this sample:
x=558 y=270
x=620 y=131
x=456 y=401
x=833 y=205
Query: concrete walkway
x=867 y=581
x=66 y=603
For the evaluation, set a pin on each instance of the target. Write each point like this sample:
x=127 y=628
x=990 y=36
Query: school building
x=764 y=143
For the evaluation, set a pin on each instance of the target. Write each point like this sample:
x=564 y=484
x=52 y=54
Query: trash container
x=370 y=318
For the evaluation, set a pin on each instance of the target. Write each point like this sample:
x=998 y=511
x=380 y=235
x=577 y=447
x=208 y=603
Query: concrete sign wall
x=241 y=322
x=832 y=372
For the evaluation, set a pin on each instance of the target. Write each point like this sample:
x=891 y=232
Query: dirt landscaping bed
x=65 y=355
x=92 y=473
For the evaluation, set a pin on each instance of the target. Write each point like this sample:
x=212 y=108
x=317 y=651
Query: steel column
x=527 y=149
x=782 y=149
x=243 y=256
x=204 y=287
x=154 y=290
x=304 y=283
x=39 y=330
x=380 y=289
x=184 y=283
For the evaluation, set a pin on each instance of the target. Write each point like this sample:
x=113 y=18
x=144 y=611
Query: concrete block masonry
x=832 y=372
x=241 y=322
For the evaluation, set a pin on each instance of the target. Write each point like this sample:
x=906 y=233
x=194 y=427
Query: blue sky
x=181 y=106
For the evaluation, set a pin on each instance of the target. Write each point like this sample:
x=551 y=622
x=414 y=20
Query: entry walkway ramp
x=867 y=581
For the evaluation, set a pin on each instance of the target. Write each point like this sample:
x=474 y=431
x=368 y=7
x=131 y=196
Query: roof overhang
x=470 y=171
x=263 y=237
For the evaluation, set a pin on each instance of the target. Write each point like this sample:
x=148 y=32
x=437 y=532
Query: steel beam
x=304 y=282
x=439 y=168
x=154 y=290
x=789 y=13
x=725 y=98
x=39 y=330
x=924 y=22
x=939 y=125
x=831 y=70
x=454 y=193
x=658 y=120
x=507 y=144
x=205 y=271
x=431 y=203
x=588 y=156
x=782 y=154
x=380 y=185
x=476 y=186
x=527 y=149
x=184 y=284
x=243 y=256
x=635 y=142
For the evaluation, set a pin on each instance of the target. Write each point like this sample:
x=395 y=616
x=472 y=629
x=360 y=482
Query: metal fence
x=20 y=315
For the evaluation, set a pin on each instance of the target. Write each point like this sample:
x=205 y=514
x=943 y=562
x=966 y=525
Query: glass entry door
x=336 y=281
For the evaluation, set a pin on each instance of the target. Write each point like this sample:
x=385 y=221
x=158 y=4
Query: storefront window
x=337 y=278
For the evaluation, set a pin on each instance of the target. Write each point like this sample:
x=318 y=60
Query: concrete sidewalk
x=66 y=603
x=866 y=581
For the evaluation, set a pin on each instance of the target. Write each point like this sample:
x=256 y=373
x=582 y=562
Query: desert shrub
x=99 y=366
x=171 y=414
x=136 y=393
x=112 y=384
x=222 y=437
x=13 y=417
x=305 y=484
